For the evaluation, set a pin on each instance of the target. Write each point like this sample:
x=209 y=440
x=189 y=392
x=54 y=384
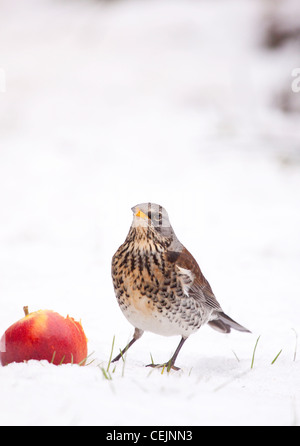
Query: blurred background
x=193 y=104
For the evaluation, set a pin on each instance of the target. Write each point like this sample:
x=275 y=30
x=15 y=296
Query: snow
x=109 y=104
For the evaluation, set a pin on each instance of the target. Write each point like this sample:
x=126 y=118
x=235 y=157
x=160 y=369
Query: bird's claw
x=166 y=365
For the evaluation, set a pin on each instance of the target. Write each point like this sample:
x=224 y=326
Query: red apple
x=44 y=334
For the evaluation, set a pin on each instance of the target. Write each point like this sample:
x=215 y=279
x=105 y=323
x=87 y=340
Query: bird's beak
x=141 y=214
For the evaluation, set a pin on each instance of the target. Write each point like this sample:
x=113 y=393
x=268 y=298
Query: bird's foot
x=167 y=365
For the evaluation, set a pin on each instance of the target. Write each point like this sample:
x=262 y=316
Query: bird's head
x=153 y=219
x=150 y=214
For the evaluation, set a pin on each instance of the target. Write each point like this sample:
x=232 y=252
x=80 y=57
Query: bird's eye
x=157 y=219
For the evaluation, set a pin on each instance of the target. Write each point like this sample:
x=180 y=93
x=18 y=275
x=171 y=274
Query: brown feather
x=201 y=288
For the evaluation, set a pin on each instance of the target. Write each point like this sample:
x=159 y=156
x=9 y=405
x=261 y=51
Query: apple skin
x=44 y=334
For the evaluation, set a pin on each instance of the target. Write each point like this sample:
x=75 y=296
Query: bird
x=159 y=286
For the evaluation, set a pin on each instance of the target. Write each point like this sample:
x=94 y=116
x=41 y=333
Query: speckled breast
x=150 y=293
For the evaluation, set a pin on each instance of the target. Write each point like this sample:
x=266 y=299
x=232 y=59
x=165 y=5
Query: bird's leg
x=137 y=334
x=170 y=364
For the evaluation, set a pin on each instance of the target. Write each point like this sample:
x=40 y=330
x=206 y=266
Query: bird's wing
x=195 y=283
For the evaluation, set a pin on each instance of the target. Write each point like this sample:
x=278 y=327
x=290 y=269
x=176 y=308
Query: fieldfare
x=159 y=285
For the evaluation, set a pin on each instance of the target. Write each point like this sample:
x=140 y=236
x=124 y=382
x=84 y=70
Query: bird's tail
x=224 y=324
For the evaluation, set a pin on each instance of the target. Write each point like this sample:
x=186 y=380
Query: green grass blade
x=152 y=360
x=111 y=353
x=236 y=356
x=91 y=362
x=83 y=361
x=253 y=355
x=53 y=356
x=169 y=366
x=122 y=356
x=276 y=357
x=106 y=374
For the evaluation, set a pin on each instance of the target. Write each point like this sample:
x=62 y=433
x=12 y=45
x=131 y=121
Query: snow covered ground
x=108 y=104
